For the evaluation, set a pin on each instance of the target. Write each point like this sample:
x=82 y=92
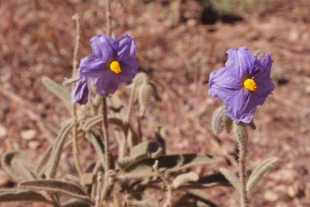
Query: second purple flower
x=112 y=62
x=243 y=84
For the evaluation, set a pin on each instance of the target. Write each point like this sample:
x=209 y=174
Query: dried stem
x=74 y=114
x=166 y=182
x=108 y=17
x=105 y=134
x=98 y=189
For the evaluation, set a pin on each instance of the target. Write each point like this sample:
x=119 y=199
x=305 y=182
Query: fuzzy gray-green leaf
x=58 y=148
x=98 y=145
x=75 y=203
x=41 y=167
x=169 y=163
x=141 y=151
x=184 y=178
x=59 y=91
x=146 y=149
x=15 y=163
x=259 y=171
x=208 y=181
x=231 y=177
x=13 y=195
x=56 y=186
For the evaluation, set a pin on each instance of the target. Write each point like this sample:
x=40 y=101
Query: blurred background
x=179 y=43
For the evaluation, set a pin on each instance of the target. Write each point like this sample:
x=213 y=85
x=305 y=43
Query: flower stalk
x=74 y=114
x=105 y=134
x=241 y=135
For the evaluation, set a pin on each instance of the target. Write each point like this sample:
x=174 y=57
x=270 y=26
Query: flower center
x=250 y=84
x=115 y=67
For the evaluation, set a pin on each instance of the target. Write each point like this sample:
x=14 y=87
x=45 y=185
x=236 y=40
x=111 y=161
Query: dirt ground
x=179 y=44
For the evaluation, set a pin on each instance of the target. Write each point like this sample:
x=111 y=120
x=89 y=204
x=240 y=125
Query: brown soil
x=179 y=44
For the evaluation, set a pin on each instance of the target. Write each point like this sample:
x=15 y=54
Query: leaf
x=144 y=150
x=200 y=197
x=216 y=179
x=57 y=150
x=98 y=145
x=57 y=187
x=115 y=103
x=59 y=91
x=41 y=167
x=184 y=178
x=169 y=163
x=76 y=203
x=233 y=180
x=15 y=163
x=259 y=171
x=13 y=195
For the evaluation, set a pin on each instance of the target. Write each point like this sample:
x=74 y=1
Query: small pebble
x=4 y=178
x=271 y=196
x=28 y=134
x=3 y=131
x=34 y=144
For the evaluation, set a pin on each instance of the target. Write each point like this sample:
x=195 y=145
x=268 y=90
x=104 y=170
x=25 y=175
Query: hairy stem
x=105 y=135
x=98 y=189
x=242 y=138
x=108 y=17
x=167 y=184
x=74 y=114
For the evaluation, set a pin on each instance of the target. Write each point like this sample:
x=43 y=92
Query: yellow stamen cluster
x=115 y=67
x=250 y=84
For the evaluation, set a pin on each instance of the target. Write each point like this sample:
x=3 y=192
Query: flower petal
x=241 y=106
x=263 y=80
x=107 y=83
x=241 y=62
x=126 y=48
x=265 y=66
x=92 y=67
x=80 y=92
x=223 y=84
x=104 y=47
x=129 y=69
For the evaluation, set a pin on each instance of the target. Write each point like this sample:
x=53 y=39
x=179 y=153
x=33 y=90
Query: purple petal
x=129 y=69
x=240 y=62
x=263 y=80
x=92 y=67
x=107 y=83
x=104 y=47
x=241 y=106
x=223 y=84
x=80 y=92
x=126 y=48
x=265 y=64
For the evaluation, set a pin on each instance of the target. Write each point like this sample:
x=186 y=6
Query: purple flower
x=111 y=63
x=243 y=84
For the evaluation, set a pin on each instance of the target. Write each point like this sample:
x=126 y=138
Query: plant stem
x=108 y=17
x=74 y=115
x=98 y=189
x=105 y=135
x=242 y=137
